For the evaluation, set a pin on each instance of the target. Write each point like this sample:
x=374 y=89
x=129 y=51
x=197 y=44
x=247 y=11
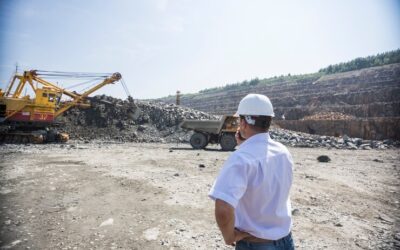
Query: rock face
x=362 y=94
x=127 y=120
x=378 y=128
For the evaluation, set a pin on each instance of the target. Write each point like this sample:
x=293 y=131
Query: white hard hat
x=255 y=104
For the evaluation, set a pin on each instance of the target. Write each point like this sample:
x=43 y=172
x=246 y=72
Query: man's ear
x=245 y=124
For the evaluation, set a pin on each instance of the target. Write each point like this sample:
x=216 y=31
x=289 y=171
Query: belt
x=254 y=239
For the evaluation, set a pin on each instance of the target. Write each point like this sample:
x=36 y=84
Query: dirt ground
x=154 y=196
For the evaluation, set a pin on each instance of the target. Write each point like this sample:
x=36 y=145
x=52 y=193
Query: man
x=251 y=193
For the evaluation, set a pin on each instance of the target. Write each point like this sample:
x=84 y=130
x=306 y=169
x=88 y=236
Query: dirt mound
x=128 y=120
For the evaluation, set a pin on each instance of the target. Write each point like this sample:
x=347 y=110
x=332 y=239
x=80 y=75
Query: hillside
x=370 y=94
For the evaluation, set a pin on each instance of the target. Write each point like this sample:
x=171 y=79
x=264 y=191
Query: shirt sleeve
x=231 y=182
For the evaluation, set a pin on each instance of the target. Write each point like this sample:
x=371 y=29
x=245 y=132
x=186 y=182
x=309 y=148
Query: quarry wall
x=367 y=95
x=370 y=129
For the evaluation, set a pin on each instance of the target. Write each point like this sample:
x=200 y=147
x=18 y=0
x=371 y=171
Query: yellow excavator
x=28 y=120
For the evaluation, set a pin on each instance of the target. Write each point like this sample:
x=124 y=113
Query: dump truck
x=213 y=131
x=26 y=119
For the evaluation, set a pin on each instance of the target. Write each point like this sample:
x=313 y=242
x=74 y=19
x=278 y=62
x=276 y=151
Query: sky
x=161 y=46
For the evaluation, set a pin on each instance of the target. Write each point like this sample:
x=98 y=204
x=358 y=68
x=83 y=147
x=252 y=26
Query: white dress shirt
x=256 y=181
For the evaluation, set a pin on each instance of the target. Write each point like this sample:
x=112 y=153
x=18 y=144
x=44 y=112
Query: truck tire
x=228 y=142
x=198 y=141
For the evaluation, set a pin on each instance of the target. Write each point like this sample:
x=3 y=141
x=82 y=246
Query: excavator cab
x=40 y=109
x=47 y=97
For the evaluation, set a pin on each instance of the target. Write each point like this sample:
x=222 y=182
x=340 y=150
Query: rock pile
x=298 y=139
x=113 y=119
x=127 y=120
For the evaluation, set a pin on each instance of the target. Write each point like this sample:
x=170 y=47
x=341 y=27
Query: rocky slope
x=371 y=92
x=367 y=93
x=127 y=120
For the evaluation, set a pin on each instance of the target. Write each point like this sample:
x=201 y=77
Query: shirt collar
x=261 y=137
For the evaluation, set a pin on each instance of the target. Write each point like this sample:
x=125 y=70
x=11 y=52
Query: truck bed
x=207 y=126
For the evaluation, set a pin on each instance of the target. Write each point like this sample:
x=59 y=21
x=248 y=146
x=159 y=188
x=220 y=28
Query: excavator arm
x=79 y=100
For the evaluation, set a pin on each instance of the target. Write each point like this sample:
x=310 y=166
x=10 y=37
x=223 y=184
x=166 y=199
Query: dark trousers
x=286 y=243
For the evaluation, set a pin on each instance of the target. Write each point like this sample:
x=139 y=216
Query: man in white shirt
x=251 y=193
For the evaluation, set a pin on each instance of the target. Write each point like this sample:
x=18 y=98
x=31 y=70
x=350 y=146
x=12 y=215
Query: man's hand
x=239 y=235
x=238 y=137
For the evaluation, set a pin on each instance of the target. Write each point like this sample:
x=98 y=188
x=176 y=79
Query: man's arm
x=225 y=217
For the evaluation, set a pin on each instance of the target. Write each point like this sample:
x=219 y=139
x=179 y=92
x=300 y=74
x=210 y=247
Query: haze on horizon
x=160 y=46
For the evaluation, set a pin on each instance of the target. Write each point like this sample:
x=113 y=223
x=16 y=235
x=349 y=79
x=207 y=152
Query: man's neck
x=252 y=133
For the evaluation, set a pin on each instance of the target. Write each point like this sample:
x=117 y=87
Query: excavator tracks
x=20 y=138
x=35 y=137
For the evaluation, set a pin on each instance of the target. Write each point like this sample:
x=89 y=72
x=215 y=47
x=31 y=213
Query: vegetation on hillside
x=356 y=64
x=254 y=82
x=364 y=62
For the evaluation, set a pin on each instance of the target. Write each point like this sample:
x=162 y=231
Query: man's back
x=256 y=181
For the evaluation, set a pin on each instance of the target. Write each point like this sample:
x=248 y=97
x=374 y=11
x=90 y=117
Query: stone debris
x=108 y=222
x=323 y=158
x=299 y=139
x=151 y=233
x=295 y=212
x=338 y=224
x=386 y=218
x=116 y=120
x=12 y=244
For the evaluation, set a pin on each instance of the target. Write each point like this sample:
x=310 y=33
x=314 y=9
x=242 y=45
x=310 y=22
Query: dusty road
x=149 y=196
